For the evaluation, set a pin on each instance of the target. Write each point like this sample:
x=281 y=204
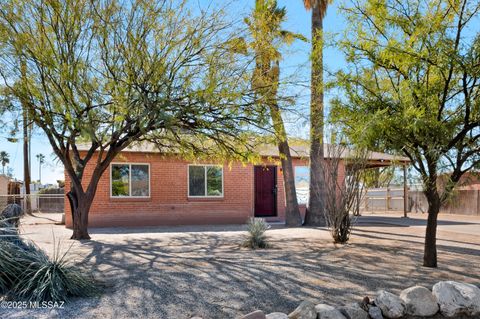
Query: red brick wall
x=169 y=203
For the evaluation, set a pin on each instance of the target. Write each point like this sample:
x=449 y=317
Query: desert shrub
x=51 y=190
x=8 y=269
x=344 y=188
x=51 y=278
x=256 y=237
x=28 y=273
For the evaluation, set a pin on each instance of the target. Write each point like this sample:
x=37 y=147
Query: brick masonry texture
x=169 y=203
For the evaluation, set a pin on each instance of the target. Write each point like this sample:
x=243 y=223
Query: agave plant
x=256 y=237
x=28 y=273
x=50 y=279
x=8 y=267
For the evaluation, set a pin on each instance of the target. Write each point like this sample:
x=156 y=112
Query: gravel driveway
x=179 y=272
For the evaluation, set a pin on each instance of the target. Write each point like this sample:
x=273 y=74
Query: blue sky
x=296 y=60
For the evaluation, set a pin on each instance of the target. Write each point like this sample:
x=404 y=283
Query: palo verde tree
x=106 y=74
x=412 y=86
x=268 y=37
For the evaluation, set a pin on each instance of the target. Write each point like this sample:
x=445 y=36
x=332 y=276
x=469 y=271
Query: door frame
x=275 y=210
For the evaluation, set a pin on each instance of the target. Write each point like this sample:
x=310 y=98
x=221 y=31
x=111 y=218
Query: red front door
x=265 y=191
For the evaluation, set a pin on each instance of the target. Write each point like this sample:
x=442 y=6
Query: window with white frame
x=302 y=183
x=205 y=181
x=130 y=180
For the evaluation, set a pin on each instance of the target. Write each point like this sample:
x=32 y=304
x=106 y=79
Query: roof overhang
x=302 y=151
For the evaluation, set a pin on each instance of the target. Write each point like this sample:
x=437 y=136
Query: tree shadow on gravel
x=395 y=221
x=209 y=275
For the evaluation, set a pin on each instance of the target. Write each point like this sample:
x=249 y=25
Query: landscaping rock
x=419 y=301
x=255 y=315
x=323 y=307
x=306 y=310
x=328 y=312
x=375 y=313
x=331 y=314
x=353 y=311
x=391 y=305
x=277 y=315
x=457 y=298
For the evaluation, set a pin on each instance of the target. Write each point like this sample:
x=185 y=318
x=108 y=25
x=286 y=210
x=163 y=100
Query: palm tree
x=265 y=28
x=315 y=212
x=41 y=160
x=4 y=159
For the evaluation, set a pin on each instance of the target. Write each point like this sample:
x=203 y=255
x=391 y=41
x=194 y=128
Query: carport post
x=405 y=191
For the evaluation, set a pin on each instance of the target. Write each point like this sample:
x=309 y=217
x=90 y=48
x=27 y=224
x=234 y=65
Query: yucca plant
x=256 y=237
x=28 y=273
x=8 y=268
x=8 y=238
x=50 y=279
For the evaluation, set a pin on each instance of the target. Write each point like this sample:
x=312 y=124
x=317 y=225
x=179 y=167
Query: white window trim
x=205 y=177
x=130 y=179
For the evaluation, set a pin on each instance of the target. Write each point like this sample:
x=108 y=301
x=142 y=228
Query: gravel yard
x=179 y=272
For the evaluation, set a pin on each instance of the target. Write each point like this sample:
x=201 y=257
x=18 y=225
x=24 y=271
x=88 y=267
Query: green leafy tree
x=265 y=28
x=106 y=74
x=316 y=202
x=4 y=159
x=378 y=177
x=412 y=87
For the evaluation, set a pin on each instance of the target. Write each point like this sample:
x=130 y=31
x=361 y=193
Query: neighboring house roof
x=470 y=187
x=469 y=180
x=299 y=149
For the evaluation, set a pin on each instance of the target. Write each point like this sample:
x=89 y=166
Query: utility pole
x=26 y=144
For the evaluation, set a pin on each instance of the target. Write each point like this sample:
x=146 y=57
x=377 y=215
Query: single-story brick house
x=144 y=187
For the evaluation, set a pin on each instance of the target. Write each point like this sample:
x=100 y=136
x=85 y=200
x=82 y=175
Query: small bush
x=54 y=279
x=27 y=273
x=256 y=237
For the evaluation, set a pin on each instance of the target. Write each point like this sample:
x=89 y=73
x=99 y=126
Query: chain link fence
x=42 y=203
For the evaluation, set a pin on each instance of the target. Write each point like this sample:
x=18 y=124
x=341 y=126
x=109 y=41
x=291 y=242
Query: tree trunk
x=292 y=213
x=316 y=204
x=80 y=207
x=430 y=252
